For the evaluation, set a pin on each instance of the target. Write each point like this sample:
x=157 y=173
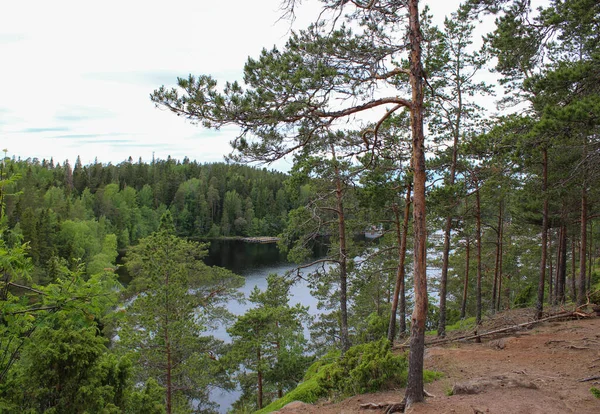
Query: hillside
x=536 y=370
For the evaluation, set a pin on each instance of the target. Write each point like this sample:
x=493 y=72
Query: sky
x=75 y=76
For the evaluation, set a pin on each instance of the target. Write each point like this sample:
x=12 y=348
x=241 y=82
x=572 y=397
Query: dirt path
x=533 y=371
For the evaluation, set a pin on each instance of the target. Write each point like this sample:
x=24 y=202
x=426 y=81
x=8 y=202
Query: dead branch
x=560 y=315
x=590 y=379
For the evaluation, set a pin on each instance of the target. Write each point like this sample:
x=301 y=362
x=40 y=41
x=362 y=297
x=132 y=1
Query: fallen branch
x=565 y=314
x=590 y=379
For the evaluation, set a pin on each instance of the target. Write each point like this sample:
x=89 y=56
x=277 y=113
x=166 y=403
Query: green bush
x=365 y=368
x=595 y=392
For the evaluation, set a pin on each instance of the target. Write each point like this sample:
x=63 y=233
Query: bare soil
x=536 y=370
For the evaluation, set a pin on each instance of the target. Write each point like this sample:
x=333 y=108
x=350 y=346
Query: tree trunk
x=573 y=276
x=557 y=270
x=169 y=368
x=414 y=389
x=259 y=393
x=590 y=257
x=500 y=274
x=550 y=270
x=495 y=289
x=540 y=294
x=463 y=307
x=562 y=269
x=478 y=236
x=448 y=230
x=345 y=340
x=582 y=252
x=399 y=289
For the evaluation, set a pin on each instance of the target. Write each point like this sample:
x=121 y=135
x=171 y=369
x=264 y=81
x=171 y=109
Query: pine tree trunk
x=541 y=287
x=259 y=393
x=399 y=289
x=478 y=236
x=500 y=274
x=582 y=252
x=169 y=367
x=463 y=307
x=550 y=270
x=573 y=276
x=562 y=279
x=590 y=257
x=495 y=289
x=414 y=389
x=344 y=336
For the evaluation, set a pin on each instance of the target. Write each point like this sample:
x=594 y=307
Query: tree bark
x=573 y=276
x=463 y=307
x=259 y=393
x=478 y=236
x=448 y=228
x=540 y=294
x=169 y=390
x=495 y=289
x=399 y=289
x=562 y=269
x=344 y=337
x=414 y=389
x=550 y=270
x=590 y=257
x=500 y=274
x=582 y=251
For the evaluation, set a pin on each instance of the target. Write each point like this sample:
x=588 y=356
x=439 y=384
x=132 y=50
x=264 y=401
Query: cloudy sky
x=75 y=76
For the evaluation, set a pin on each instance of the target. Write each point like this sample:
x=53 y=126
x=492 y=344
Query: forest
x=385 y=116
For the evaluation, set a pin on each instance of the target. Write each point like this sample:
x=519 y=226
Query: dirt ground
x=535 y=370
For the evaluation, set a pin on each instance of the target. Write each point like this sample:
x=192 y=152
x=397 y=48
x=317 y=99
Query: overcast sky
x=75 y=76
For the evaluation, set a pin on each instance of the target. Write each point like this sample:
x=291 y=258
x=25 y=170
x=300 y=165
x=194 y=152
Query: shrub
x=365 y=368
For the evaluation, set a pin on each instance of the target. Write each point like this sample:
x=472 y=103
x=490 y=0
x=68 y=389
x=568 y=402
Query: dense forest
x=504 y=205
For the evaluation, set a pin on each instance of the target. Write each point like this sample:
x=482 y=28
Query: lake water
x=254 y=261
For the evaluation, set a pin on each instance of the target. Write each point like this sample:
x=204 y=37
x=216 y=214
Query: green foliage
x=365 y=368
x=525 y=297
x=148 y=400
x=268 y=339
x=595 y=392
x=175 y=297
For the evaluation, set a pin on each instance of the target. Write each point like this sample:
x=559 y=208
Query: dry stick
x=590 y=378
x=521 y=325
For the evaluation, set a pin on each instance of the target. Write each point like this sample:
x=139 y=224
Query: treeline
x=68 y=211
x=505 y=207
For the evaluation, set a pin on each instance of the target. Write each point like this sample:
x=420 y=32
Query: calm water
x=255 y=262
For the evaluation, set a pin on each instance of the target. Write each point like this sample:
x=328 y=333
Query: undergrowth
x=364 y=368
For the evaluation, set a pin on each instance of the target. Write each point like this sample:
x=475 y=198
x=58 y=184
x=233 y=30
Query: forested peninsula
x=437 y=214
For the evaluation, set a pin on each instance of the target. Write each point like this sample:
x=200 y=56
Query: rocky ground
x=532 y=370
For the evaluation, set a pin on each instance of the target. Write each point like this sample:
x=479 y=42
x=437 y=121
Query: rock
x=294 y=407
x=479 y=385
x=497 y=344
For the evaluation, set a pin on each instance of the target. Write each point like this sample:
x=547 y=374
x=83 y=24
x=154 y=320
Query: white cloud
x=87 y=69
